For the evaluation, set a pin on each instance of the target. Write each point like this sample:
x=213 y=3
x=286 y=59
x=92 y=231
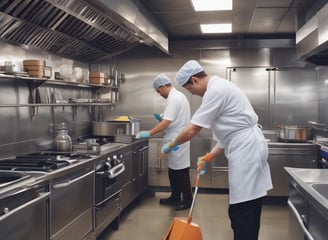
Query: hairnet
x=161 y=80
x=188 y=70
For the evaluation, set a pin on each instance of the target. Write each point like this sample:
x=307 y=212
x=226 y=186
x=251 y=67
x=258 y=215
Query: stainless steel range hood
x=312 y=39
x=80 y=29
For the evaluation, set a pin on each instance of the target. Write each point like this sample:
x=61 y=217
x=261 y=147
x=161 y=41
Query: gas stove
x=41 y=161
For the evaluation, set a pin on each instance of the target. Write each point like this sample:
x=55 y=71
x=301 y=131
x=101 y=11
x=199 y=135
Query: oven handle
x=25 y=205
x=113 y=172
x=300 y=220
x=69 y=182
x=143 y=149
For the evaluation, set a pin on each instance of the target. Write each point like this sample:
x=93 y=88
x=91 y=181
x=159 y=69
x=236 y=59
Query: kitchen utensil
x=111 y=128
x=294 y=133
x=122 y=125
x=184 y=229
x=77 y=74
x=65 y=71
x=63 y=141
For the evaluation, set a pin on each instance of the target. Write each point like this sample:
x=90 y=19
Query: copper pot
x=294 y=133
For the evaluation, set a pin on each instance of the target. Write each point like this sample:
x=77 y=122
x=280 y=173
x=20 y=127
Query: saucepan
x=294 y=133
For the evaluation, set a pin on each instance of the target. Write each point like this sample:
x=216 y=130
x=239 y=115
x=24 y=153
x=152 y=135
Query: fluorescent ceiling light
x=216 y=28
x=212 y=5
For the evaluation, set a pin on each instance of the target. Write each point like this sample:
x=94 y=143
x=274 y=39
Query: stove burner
x=54 y=156
x=31 y=165
x=43 y=161
x=99 y=140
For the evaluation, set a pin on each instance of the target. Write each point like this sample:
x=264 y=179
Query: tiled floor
x=147 y=220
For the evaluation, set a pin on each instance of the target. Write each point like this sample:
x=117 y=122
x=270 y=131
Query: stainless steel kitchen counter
x=305 y=180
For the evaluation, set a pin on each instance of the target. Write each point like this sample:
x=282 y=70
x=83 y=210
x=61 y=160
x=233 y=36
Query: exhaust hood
x=312 y=39
x=80 y=29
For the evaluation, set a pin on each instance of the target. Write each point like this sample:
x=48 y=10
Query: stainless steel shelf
x=39 y=81
x=58 y=104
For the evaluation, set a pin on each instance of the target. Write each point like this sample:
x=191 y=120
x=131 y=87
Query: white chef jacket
x=177 y=111
x=227 y=111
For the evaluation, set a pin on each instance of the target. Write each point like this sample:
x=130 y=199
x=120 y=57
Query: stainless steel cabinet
x=140 y=166
x=71 y=205
x=278 y=95
x=157 y=165
x=158 y=168
x=25 y=214
x=127 y=180
x=282 y=155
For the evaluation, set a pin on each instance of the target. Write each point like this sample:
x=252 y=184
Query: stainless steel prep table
x=308 y=203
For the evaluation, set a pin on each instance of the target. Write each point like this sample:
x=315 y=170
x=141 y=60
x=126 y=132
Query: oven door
x=107 y=212
x=107 y=182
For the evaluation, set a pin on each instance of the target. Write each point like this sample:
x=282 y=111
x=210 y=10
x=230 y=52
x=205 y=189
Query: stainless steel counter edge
x=305 y=187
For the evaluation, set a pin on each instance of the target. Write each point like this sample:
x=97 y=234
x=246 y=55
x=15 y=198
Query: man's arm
x=160 y=127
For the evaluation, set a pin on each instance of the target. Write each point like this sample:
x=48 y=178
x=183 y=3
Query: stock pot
x=294 y=133
x=114 y=128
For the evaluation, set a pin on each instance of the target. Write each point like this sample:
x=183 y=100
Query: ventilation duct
x=312 y=39
x=82 y=30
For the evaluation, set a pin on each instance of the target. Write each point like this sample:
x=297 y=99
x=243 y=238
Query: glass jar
x=63 y=141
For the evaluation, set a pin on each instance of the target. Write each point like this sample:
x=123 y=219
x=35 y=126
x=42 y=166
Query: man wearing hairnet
x=226 y=110
x=176 y=116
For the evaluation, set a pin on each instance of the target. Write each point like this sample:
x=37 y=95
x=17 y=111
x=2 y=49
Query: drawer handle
x=42 y=196
x=67 y=183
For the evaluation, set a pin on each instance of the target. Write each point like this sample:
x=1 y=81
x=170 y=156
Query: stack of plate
x=34 y=67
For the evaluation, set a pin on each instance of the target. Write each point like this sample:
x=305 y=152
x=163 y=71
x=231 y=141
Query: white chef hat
x=188 y=70
x=161 y=80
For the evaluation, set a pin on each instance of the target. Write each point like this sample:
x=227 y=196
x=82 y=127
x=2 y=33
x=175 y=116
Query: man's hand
x=168 y=147
x=143 y=134
x=203 y=161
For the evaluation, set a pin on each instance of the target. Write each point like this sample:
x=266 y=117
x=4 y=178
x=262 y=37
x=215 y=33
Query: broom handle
x=189 y=219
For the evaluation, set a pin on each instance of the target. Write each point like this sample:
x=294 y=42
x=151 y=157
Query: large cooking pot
x=294 y=133
x=115 y=128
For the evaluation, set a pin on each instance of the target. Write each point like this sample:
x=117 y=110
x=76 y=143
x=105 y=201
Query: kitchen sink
x=311 y=175
x=8 y=177
x=322 y=189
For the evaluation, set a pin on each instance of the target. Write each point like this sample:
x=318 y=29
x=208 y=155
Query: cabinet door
x=71 y=205
x=157 y=166
x=280 y=158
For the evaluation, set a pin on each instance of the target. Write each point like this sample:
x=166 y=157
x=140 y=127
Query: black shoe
x=183 y=206
x=169 y=201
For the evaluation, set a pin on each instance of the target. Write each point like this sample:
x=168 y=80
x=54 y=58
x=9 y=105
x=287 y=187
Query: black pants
x=245 y=219
x=180 y=185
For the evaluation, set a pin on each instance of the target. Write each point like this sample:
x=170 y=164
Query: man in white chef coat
x=226 y=110
x=176 y=116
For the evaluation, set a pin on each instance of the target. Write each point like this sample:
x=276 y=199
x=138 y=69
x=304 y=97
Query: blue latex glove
x=168 y=147
x=157 y=117
x=143 y=134
x=175 y=148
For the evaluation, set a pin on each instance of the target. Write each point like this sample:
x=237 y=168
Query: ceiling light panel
x=216 y=28
x=212 y=5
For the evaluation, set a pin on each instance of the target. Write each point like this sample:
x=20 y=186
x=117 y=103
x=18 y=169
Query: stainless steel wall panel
x=296 y=96
x=255 y=84
x=323 y=95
